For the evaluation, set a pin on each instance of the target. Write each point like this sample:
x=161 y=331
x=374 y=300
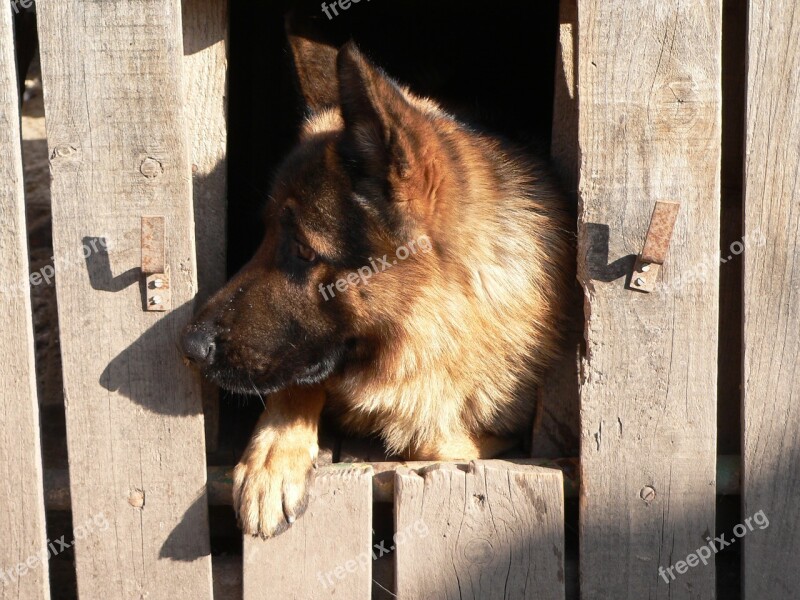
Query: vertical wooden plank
x=327 y=553
x=21 y=494
x=205 y=77
x=555 y=430
x=493 y=531
x=649 y=130
x=772 y=302
x=564 y=147
x=118 y=146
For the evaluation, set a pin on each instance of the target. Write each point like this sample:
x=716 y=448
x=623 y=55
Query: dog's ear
x=314 y=64
x=382 y=127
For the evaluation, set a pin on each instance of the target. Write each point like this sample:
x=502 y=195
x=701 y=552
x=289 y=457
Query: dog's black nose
x=197 y=343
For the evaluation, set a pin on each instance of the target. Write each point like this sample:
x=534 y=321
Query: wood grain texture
x=118 y=150
x=205 y=80
x=327 y=553
x=649 y=130
x=493 y=531
x=564 y=145
x=205 y=83
x=771 y=451
x=555 y=429
x=21 y=480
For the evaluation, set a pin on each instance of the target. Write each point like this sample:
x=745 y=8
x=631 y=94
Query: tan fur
x=440 y=355
x=271 y=479
x=458 y=349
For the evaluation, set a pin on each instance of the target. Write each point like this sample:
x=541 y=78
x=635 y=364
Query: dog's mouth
x=242 y=381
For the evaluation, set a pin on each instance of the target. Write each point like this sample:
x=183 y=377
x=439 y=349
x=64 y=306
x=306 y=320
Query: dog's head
x=349 y=232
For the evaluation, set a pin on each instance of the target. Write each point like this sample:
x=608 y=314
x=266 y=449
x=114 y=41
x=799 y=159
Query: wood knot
x=64 y=151
x=648 y=494
x=479 y=551
x=136 y=498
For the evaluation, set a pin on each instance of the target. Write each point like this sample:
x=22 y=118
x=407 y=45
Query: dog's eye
x=303 y=252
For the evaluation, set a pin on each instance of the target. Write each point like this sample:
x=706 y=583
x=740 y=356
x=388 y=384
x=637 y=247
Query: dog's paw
x=270 y=488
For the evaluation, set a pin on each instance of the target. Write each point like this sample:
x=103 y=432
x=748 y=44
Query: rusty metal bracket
x=656 y=244
x=154 y=265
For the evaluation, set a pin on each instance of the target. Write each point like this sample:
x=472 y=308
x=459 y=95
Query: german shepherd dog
x=440 y=350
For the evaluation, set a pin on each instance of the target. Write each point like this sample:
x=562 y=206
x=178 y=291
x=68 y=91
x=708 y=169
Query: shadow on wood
x=150 y=348
x=182 y=543
x=597 y=240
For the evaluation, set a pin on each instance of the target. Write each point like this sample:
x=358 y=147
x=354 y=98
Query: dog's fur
x=440 y=354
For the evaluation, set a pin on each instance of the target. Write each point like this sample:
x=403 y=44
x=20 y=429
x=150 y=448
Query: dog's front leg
x=271 y=482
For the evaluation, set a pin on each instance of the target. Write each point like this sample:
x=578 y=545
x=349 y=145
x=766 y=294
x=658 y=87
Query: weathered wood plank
x=555 y=430
x=205 y=77
x=21 y=480
x=564 y=147
x=649 y=130
x=118 y=146
x=327 y=553
x=220 y=484
x=493 y=531
x=771 y=452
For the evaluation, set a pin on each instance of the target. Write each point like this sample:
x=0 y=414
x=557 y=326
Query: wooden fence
x=135 y=104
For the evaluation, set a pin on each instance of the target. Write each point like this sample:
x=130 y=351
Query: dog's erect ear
x=381 y=124
x=314 y=63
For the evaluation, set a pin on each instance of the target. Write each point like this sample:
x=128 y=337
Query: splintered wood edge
x=425 y=470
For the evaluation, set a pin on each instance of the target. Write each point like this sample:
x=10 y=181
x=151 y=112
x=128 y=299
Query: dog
x=412 y=282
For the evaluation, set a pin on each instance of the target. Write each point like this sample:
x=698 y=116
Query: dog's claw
x=271 y=494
